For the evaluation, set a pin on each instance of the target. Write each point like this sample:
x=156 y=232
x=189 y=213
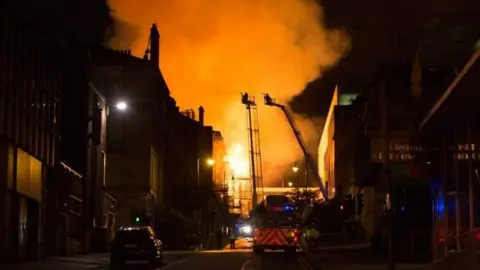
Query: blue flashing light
x=289 y=208
x=441 y=204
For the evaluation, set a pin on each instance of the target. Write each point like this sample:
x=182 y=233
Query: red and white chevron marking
x=272 y=237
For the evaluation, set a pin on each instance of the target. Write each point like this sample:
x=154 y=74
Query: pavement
x=81 y=262
x=90 y=261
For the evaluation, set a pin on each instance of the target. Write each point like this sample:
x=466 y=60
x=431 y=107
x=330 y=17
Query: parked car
x=137 y=244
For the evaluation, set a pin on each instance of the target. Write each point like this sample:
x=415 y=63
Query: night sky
x=391 y=30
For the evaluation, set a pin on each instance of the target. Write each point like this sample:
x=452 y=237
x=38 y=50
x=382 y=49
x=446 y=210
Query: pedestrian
x=232 y=240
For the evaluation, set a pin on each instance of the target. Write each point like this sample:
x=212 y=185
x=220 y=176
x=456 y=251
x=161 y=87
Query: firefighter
x=232 y=240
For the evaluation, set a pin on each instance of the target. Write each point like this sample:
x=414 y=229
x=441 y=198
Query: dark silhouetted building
x=330 y=146
x=30 y=92
x=450 y=132
x=134 y=155
x=190 y=171
x=359 y=156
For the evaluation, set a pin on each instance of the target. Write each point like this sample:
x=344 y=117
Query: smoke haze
x=212 y=50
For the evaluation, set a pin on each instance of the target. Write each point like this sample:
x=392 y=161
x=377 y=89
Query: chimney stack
x=201 y=115
x=154 y=45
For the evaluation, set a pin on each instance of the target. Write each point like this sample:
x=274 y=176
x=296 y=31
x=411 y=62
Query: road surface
x=241 y=259
x=231 y=260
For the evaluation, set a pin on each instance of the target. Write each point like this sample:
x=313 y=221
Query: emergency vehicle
x=276 y=223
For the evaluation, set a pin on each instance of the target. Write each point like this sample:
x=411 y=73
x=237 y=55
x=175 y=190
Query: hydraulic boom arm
x=310 y=161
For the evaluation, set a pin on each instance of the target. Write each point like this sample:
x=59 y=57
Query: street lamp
x=210 y=162
x=121 y=105
x=295 y=170
x=290 y=184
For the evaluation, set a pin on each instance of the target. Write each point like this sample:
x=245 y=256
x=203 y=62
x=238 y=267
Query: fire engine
x=276 y=225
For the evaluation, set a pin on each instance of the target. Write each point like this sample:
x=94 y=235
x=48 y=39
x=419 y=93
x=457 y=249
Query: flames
x=238 y=161
x=211 y=51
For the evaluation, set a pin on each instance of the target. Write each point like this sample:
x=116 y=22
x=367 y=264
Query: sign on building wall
x=400 y=150
x=465 y=151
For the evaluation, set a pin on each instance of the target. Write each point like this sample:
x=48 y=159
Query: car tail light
x=441 y=235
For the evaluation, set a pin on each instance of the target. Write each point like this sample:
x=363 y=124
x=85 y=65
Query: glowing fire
x=238 y=161
x=209 y=55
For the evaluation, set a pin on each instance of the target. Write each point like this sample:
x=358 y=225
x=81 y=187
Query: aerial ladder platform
x=254 y=145
x=308 y=157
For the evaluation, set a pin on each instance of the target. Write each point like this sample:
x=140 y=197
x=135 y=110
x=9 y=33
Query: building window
x=104 y=170
x=2 y=115
x=153 y=170
x=75 y=205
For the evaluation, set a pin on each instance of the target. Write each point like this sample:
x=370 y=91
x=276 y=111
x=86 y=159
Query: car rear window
x=133 y=236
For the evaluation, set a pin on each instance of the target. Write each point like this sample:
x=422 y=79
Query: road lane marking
x=244 y=265
x=305 y=265
x=173 y=264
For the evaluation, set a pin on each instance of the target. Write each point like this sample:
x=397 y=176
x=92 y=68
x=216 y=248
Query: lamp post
x=93 y=188
x=209 y=162
x=295 y=171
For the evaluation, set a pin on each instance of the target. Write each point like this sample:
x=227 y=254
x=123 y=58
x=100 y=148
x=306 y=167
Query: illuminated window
x=104 y=168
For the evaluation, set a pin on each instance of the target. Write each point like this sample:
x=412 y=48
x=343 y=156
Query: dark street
x=342 y=135
x=241 y=259
x=215 y=260
x=234 y=260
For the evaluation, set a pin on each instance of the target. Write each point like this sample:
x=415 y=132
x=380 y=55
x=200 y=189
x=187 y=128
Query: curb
x=341 y=247
x=78 y=261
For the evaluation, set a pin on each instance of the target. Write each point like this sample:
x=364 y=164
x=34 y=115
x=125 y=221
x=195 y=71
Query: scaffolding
x=239 y=194
x=244 y=194
x=256 y=175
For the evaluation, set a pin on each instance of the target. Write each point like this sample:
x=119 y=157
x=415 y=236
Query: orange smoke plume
x=211 y=51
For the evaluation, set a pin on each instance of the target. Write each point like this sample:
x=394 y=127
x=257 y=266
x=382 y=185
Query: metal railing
x=464 y=255
x=468 y=241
